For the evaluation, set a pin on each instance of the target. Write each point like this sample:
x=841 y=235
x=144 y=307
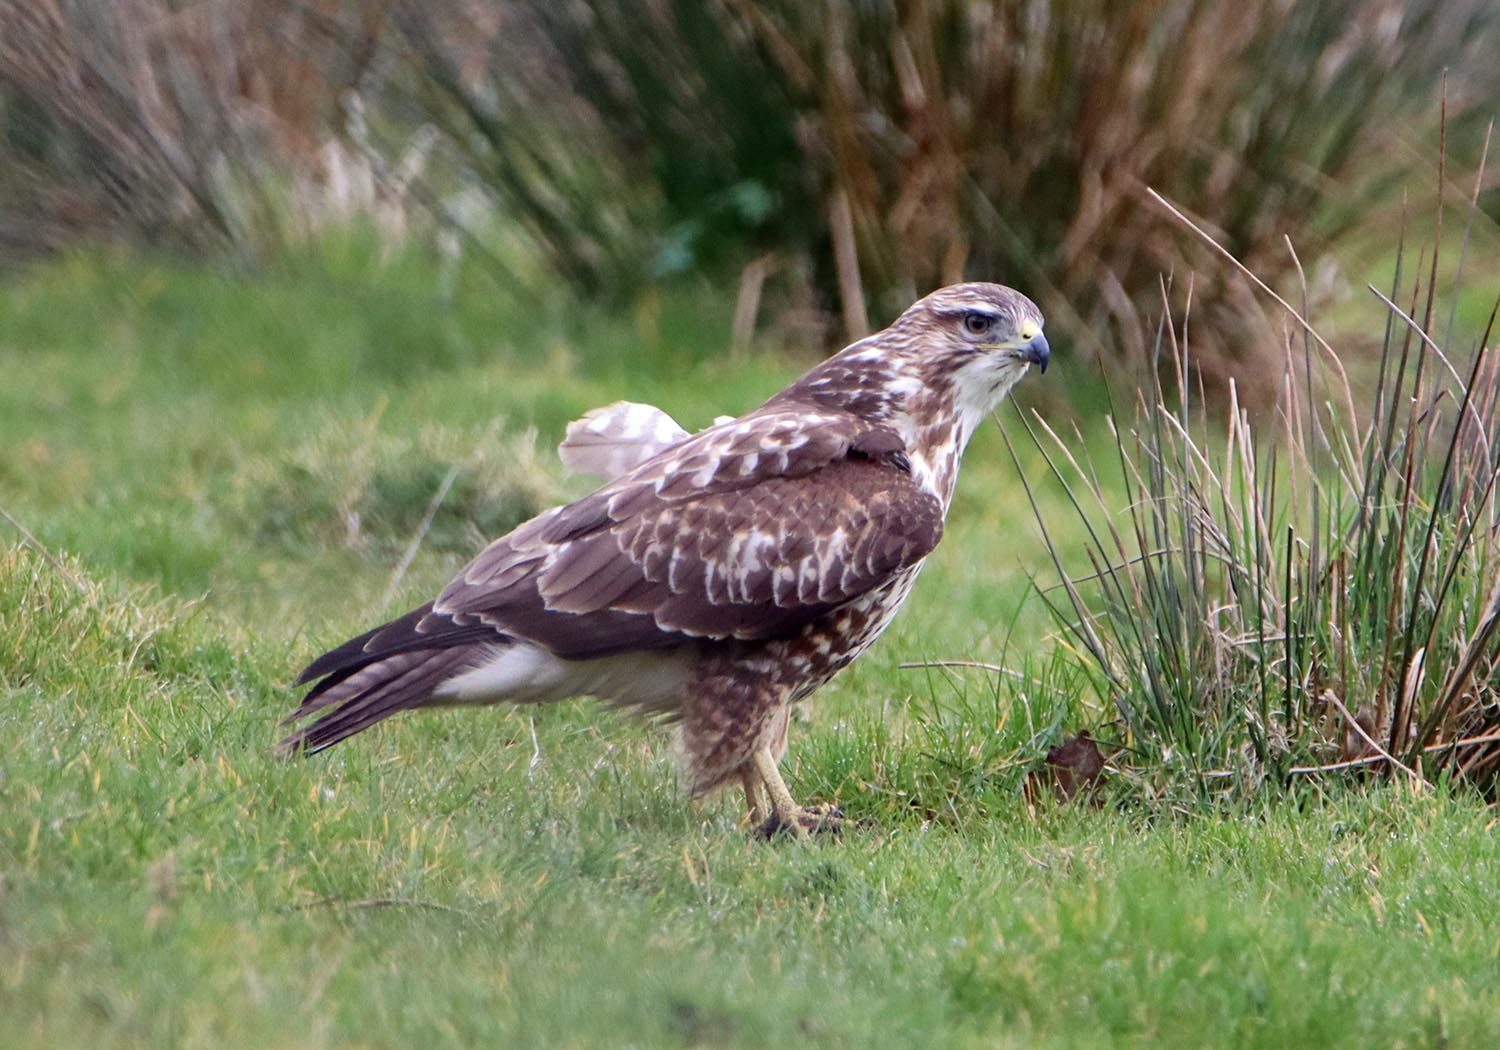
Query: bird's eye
x=978 y=323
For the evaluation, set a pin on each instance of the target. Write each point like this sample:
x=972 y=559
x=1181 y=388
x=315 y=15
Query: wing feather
x=748 y=531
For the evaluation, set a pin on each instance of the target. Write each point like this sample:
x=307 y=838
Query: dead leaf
x=1072 y=767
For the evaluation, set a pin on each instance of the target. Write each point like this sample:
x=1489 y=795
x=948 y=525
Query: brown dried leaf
x=1072 y=768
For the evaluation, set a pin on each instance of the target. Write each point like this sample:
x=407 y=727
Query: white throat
x=981 y=392
x=935 y=441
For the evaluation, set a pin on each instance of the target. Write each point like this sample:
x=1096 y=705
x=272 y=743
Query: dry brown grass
x=140 y=116
x=838 y=159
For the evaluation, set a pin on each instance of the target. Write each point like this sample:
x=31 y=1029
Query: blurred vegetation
x=834 y=160
x=166 y=124
x=1015 y=141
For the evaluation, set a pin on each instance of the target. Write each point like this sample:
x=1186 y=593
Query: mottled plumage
x=717 y=577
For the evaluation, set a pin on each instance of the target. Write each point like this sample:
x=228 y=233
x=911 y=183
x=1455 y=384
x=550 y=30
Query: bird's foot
x=805 y=821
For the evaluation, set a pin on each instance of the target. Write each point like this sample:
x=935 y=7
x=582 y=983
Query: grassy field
x=231 y=467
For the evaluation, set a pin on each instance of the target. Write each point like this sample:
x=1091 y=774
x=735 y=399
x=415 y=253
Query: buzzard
x=715 y=578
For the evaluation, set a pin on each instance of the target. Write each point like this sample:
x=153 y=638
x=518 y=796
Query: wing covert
x=748 y=530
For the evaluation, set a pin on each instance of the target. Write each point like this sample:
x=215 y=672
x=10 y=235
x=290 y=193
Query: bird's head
x=949 y=359
x=968 y=344
x=978 y=328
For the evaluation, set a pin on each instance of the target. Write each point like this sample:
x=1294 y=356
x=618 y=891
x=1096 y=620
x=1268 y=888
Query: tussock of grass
x=1314 y=594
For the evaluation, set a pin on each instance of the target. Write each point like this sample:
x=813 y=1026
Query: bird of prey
x=716 y=578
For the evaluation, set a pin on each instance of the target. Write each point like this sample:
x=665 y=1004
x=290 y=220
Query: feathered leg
x=734 y=729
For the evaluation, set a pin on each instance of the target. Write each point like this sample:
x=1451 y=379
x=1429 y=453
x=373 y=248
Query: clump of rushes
x=1313 y=594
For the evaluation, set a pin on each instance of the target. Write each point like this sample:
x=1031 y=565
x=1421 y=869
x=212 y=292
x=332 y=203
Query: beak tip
x=1039 y=353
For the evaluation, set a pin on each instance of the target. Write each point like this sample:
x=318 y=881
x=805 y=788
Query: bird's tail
x=375 y=691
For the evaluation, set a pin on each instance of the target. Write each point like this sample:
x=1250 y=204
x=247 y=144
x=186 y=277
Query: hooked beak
x=1037 y=352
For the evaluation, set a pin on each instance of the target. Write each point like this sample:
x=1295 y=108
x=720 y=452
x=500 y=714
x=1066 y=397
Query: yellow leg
x=755 y=797
x=782 y=803
x=785 y=814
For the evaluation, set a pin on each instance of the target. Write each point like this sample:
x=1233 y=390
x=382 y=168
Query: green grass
x=530 y=878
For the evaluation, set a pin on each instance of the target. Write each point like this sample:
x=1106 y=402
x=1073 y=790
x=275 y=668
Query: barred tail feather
x=373 y=693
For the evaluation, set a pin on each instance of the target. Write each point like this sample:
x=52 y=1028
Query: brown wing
x=747 y=531
x=751 y=563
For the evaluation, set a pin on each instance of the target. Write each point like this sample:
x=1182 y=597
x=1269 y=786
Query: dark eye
x=978 y=323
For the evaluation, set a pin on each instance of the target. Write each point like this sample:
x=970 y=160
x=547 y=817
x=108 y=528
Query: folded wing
x=747 y=530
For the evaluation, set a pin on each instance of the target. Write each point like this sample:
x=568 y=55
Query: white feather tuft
x=617 y=438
